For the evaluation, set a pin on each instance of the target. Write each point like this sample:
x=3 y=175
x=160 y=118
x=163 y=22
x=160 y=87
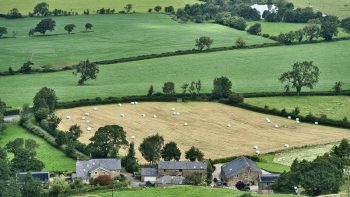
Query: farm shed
x=181 y=168
x=265 y=182
x=242 y=170
x=149 y=174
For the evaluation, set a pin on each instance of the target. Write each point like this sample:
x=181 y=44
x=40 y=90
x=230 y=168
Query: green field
x=81 y=5
x=335 y=107
x=173 y=192
x=274 y=29
x=308 y=153
x=251 y=70
x=268 y=163
x=339 y=8
x=113 y=36
x=54 y=159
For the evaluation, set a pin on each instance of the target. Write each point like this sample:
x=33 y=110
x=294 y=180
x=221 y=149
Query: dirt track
x=207 y=127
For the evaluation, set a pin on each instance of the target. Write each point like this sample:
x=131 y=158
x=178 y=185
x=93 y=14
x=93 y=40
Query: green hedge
x=274 y=94
x=10 y=112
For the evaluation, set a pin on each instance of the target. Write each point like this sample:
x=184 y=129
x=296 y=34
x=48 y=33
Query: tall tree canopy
x=194 y=154
x=88 y=70
x=303 y=74
x=222 y=87
x=44 y=25
x=107 y=141
x=151 y=148
x=171 y=152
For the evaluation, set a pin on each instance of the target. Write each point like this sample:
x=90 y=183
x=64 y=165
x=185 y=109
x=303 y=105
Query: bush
x=235 y=99
x=102 y=180
x=194 y=179
x=254 y=29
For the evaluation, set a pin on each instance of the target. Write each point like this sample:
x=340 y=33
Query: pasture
x=308 y=153
x=207 y=127
x=334 y=107
x=54 y=159
x=274 y=29
x=113 y=36
x=251 y=70
x=193 y=191
x=340 y=8
x=80 y=5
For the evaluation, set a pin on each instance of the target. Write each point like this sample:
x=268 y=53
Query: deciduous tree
x=88 y=70
x=45 y=25
x=194 y=154
x=151 y=148
x=171 y=152
x=222 y=87
x=203 y=42
x=69 y=28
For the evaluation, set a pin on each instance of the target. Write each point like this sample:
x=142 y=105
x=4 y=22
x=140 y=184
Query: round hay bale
x=257 y=152
x=276 y=126
x=86 y=114
x=67 y=117
x=87 y=121
x=289 y=117
x=83 y=118
x=119 y=104
x=178 y=113
x=132 y=103
x=136 y=103
x=89 y=128
x=297 y=119
x=154 y=116
x=228 y=125
x=172 y=109
x=143 y=115
x=255 y=147
x=316 y=123
x=286 y=145
x=132 y=137
x=95 y=108
x=174 y=113
x=122 y=115
x=185 y=124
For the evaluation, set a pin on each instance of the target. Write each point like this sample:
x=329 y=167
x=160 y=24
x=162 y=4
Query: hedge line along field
x=251 y=70
x=193 y=191
x=207 y=127
x=45 y=152
x=113 y=36
x=80 y=5
x=340 y=8
x=334 y=107
x=274 y=29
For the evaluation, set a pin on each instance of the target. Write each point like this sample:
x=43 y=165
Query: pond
x=262 y=7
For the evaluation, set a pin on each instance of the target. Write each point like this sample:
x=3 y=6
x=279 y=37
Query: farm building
x=149 y=174
x=93 y=168
x=265 y=182
x=173 y=172
x=181 y=168
x=43 y=177
x=241 y=170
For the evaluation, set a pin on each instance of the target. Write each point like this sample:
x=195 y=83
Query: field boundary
x=171 y=54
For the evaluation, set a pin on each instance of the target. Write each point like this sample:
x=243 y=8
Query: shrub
x=254 y=29
x=194 y=179
x=102 y=180
x=235 y=99
x=240 y=43
x=235 y=22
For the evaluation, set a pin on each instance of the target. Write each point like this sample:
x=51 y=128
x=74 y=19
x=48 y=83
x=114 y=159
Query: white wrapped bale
x=83 y=118
x=132 y=137
x=132 y=103
x=289 y=117
x=286 y=145
x=316 y=123
x=95 y=108
x=143 y=115
x=297 y=119
x=268 y=120
x=257 y=152
x=87 y=121
x=276 y=126
x=172 y=109
x=67 y=117
x=154 y=116
x=228 y=125
x=136 y=103
x=122 y=115
x=89 y=129
x=86 y=114
x=185 y=124
x=119 y=104
x=178 y=113
x=255 y=147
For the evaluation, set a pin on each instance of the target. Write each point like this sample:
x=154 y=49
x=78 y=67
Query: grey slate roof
x=149 y=172
x=235 y=166
x=183 y=165
x=83 y=168
x=268 y=178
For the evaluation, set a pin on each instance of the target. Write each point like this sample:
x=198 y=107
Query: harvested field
x=207 y=127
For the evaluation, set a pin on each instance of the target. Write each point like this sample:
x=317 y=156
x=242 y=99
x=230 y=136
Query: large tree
x=69 y=28
x=311 y=31
x=151 y=148
x=107 y=141
x=169 y=88
x=8 y=187
x=345 y=23
x=88 y=70
x=3 y=31
x=329 y=27
x=129 y=161
x=128 y=8
x=171 y=152
x=303 y=74
x=88 y=26
x=44 y=25
x=74 y=132
x=203 y=42
x=41 y=9
x=222 y=87
x=24 y=152
x=44 y=103
x=254 y=29
x=194 y=154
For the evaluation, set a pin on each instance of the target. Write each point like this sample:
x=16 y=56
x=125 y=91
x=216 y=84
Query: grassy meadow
x=80 y=5
x=250 y=70
x=340 y=8
x=308 y=153
x=113 y=36
x=193 y=191
x=54 y=159
x=274 y=29
x=334 y=107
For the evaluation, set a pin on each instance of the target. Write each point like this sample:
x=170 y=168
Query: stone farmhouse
x=242 y=170
x=91 y=169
